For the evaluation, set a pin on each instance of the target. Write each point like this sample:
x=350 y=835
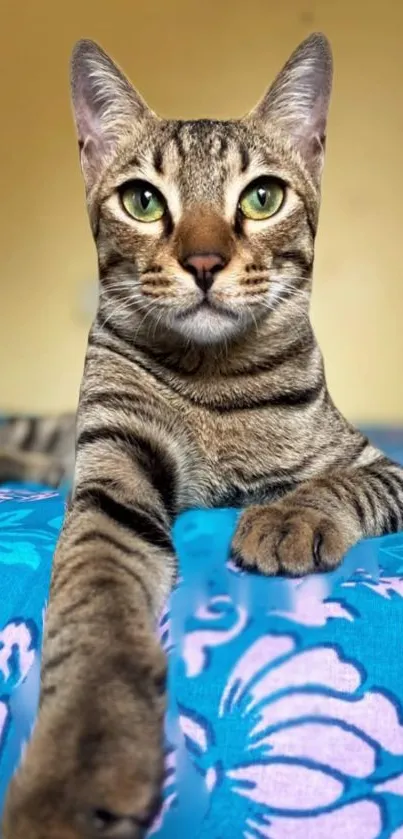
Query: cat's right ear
x=104 y=104
x=298 y=101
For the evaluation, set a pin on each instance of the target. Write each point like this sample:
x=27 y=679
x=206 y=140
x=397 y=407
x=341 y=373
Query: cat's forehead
x=211 y=144
x=205 y=148
x=202 y=157
x=204 y=137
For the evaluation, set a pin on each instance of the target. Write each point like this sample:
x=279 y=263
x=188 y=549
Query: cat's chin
x=206 y=326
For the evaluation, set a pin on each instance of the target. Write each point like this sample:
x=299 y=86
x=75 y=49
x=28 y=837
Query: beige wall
x=201 y=58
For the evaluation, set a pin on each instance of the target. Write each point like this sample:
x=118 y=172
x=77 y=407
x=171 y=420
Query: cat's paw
x=285 y=539
x=93 y=768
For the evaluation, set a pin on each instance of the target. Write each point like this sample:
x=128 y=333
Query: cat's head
x=203 y=227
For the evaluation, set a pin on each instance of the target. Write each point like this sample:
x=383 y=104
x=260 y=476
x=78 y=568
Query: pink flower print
x=384 y=586
x=309 y=599
x=360 y=820
x=4 y=720
x=393 y=785
x=310 y=739
x=387 y=586
x=235 y=569
x=164 y=630
x=197 y=643
x=16 y=637
x=168 y=792
x=310 y=605
x=7 y=494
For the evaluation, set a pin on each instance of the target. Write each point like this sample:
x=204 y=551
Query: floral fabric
x=285 y=715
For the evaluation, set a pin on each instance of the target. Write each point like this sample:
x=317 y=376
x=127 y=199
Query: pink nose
x=203 y=267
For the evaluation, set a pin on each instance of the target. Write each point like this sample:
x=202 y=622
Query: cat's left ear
x=297 y=103
x=105 y=104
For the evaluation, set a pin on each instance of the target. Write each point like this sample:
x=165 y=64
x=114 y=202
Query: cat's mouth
x=208 y=307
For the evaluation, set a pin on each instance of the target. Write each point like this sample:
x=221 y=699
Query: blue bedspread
x=285 y=717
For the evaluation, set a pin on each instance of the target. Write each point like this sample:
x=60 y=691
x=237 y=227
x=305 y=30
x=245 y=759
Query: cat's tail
x=37 y=449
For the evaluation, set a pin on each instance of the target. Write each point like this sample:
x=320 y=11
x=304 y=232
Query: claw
x=317 y=547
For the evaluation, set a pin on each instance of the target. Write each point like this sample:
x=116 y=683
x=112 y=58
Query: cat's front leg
x=93 y=767
x=313 y=527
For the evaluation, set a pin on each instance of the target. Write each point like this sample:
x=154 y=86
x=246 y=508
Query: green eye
x=142 y=201
x=262 y=199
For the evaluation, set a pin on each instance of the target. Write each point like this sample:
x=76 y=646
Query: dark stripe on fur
x=46 y=692
x=294 y=399
x=111 y=261
x=52 y=440
x=298 y=398
x=155 y=464
x=73 y=607
x=393 y=494
x=104 y=537
x=157 y=160
x=242 y=495
x=359 y=508
x=57 y=660
x=281 y=476
x=28 y=442
x=297 y=257
x=133 y=407
x=311 y=223
x=142 y=523
x=115 y=399
x=368 y=492
x=133 y=163
x=361 y=444
x=63 y=575
x=245 y=158
x=303 y=344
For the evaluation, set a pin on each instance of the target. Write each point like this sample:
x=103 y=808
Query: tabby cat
x=203 y=386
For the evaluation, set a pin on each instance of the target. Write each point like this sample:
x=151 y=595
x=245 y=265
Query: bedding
x=286 y=696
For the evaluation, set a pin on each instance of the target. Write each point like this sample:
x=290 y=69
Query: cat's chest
x=244 y=451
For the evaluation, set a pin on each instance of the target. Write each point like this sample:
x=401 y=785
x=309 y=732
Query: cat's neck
x=277 y=337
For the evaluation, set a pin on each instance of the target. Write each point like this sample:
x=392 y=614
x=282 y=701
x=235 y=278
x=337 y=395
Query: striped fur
x=186 y=400
x=37 y=449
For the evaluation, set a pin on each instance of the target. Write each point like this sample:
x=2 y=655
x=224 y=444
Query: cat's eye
x=262 y=199
x=142 y=201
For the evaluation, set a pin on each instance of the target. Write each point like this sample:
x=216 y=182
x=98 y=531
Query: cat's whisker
x=127 y=308
x=116 y=311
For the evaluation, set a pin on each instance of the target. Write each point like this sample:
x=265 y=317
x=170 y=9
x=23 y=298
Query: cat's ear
x=297 y=103
x=104 y=104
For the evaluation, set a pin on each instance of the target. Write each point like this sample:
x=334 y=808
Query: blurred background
x=194 y=58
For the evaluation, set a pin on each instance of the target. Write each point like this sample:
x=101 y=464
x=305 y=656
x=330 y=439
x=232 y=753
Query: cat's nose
x=204 y=267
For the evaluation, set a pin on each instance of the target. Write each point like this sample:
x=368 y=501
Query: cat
x=203 y=386
x=38 y=449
